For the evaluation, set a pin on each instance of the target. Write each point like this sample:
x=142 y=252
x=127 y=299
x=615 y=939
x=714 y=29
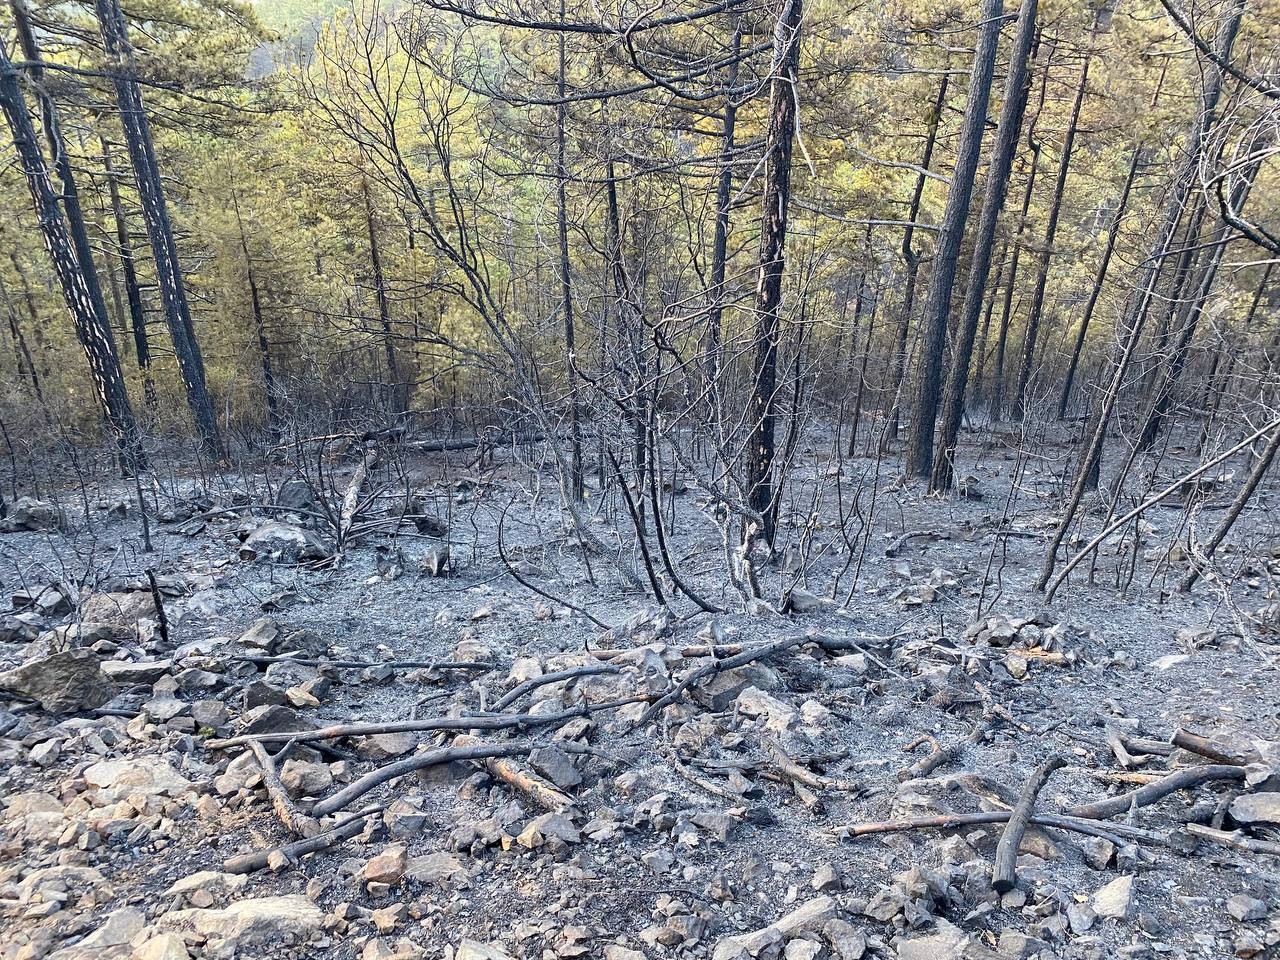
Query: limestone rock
x=282 y=543
x=28 y=513
x=1115 y=900
x=117 y=779
x=1257 y=809
x=474 y=950
x=204 y=888
x=255 y=922
x=64 y=682
x=122 y=609
x=167 y=946
x=807 y=918
x=387 y=867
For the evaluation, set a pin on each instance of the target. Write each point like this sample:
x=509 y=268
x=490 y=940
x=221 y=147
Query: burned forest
x=596 y=480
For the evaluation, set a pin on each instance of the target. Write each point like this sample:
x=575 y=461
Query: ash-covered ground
x=719 y=827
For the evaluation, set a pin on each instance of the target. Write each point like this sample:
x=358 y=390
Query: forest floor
x=719 y=829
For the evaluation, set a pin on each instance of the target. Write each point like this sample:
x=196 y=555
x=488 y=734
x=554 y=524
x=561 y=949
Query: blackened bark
x=260 y=329
x=1046 y=250
x=88 y=315
x=996 y=406
x=1017 y=88
x=155 y=213
x=1098 y=282
x=724 y=196
x=397 y=400
x=1136 y=309
x=133 y=293
x=779 y=142
x=912 y=261
x=942 y=278
x=566 y=291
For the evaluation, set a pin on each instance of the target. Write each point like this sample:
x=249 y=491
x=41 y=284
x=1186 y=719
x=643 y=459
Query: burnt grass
x=1142 y=659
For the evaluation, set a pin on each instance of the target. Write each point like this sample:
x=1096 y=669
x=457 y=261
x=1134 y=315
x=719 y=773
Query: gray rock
x=556 y=766
x=123 y=609
x=258 y=921
x=283 y=543
x=1257 y=809
x=262 y=634
x=62 y=682
x=1115 y=900
x=28 y=513
x=271 y=718
x=1245 y=908
x=136 y=671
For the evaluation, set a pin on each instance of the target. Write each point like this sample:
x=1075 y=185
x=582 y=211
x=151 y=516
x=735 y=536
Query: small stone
x=1115 y=900
x=1245 y=908
x=825 y=878
x=545 y=827
x=387 y=867
x=554 y=764
x=387 y=919
x=261 y=635
x=303 y=779
x=1098 y=852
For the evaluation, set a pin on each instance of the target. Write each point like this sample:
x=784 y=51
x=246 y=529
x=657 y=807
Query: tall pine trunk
x=937 y=310
x=133 y=293
x=912 y=261
x=1131 y=323
x=88 y=313
x=1046 y=250
x=1107 y=252
x=155 y=213
x=1017 y=88
x=779 y=142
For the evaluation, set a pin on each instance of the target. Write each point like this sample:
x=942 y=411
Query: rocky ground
x=160 y=772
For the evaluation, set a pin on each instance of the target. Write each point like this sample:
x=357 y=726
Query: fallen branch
x=421 y=761
x=361 y=664
x=1218 y=751
x=1151 y=501
x=296 y=822
x=798 y=773
x=1004 y=876
x=518 y=691
x=1235 y=840
x=481 y=722
x=729 y=663
x=343 y=829
x=1116 y=833
x=1152 y=792
x=939 y=754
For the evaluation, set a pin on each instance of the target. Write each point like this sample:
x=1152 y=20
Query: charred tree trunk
x=1046 y=252
x=155 y=213
x=397 y=399
x=779 y=142
x=912 y=261
x=133 y=293
x=1017 y=88
x=1107 y=251
x=566 y=291
x=260 y=330
x=724 y=197
x=1006 y=311
x=942 y=277
x=1162 y=398
x=1131 y=324
x=87 y=312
